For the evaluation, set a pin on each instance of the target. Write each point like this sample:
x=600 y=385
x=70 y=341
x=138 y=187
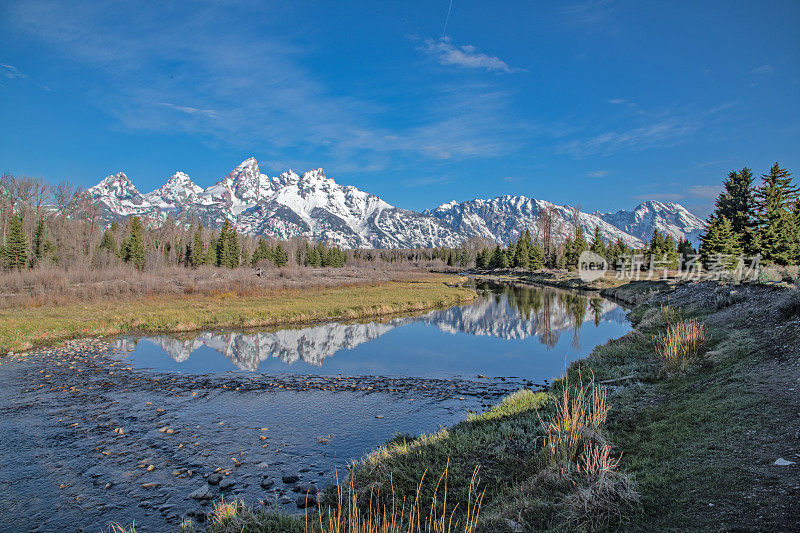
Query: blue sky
x=597 y=103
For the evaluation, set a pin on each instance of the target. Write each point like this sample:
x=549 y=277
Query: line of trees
x=751 y=221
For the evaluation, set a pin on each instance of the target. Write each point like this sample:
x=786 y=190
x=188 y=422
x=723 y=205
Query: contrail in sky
x=447 y=19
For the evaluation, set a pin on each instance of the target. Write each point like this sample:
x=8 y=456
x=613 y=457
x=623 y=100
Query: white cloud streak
x=11 y=72
x=250 y=88
x=466 y=56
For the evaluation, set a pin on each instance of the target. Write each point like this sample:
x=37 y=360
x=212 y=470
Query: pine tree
x=134 y=246
x=537 y=257
x=686 y=251
x=198 y=253
x=522 y=252
x=108 y=243
x=775 y=198
x=228 y=246
x=598 y=245
x=39 y=241
x=281 y=257
x=482 y=259
x=260 y=253
x=719 y=240
x=16 y=248
x=797 y=232
x=737 y=203
x=211 y=253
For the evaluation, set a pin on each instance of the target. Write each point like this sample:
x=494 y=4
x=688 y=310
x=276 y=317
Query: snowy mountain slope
x=504 y=218
x=667 y=217
x=314 y=206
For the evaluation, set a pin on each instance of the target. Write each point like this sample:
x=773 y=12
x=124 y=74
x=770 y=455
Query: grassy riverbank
x=22 y=327
x=696 y=448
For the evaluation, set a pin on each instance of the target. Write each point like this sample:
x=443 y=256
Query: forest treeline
x=44 y=225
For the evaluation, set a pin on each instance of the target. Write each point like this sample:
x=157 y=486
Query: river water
x=126 y=429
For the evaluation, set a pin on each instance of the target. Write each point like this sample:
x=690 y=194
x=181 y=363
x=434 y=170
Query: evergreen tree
x=482 y=259
x=797 y=232
x=16 y=248
x=281 y=257
x=39 y=241
x=777 y=230
x=598 y=245
x=198 y=250
x=211 y=253
x=522 y=252
x=537 y=257
x=498 y=259
x=108 y=243
x=313 y=257
x=228 y=246
x=719 y=240
x=134 y=245
x=737 y=203
x=261 y=253
x=686 y=251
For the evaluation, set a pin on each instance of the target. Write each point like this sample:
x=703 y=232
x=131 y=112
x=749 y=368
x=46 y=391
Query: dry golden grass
x=24 y=327
x=57 y=286
x=400 y=515
x=349 y=515
x=578 y=410
x=682 y=345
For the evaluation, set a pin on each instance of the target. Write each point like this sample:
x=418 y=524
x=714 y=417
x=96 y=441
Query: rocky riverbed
x=86 y=440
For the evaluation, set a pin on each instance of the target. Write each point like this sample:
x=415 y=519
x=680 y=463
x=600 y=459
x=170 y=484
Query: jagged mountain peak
x=117 y=185
x=178 y=191
x=315 y=206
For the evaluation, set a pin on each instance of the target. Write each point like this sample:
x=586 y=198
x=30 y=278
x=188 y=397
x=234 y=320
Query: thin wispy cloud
x=763 y=69
x=617 y=101
x=709 y=192
x=425 y=182
x=598 y=173
x=11 y=72
x=210 y=113
x=658 y=133
x=587 y=13
x=466 y=56
x=254 y=92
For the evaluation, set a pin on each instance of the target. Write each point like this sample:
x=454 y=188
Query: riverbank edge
x=23 y=329
x=690 y=441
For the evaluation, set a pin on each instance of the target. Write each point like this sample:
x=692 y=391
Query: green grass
x=23 y=328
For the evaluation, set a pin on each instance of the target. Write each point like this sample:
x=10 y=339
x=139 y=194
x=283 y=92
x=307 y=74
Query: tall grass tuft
x=578 y=411
x=349 y=516
x=683 y=345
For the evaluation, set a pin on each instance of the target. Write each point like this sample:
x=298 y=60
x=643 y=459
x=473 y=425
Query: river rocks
x=267 y=483
x=305 y=488
x=226 y=483
x=291 y=478
x=203 y=493
x=214 y=479
x=306 y=500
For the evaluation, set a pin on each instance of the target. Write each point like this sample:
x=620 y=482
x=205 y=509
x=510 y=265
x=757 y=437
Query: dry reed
x=682 y=345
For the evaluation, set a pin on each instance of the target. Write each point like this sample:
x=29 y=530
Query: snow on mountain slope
x=177 y=193
x=313 y=205
x=504 y=218
x=118 y=197
x=667 y=217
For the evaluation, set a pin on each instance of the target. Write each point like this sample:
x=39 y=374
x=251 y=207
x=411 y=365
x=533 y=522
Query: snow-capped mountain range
x=314 y=206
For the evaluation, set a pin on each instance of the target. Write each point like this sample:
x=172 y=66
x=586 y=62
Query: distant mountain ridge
x=314 y=206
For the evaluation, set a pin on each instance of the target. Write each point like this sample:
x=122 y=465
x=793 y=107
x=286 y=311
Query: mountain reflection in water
x=503 y=311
